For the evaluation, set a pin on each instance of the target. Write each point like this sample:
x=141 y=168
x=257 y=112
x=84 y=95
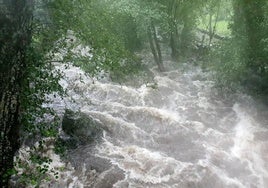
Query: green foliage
x=242 y=60
x=33 y=167
x=226 y=61
x=111 y=36
x=126 y=28
x=141 y=11
x=27 y=76
x=61 y=147
x=40 y=80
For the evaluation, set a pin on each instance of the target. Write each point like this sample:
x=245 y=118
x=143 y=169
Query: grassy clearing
x=222 y=27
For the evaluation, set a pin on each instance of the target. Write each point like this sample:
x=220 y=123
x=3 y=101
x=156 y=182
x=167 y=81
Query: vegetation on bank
x=105 y=36
x=241 y=60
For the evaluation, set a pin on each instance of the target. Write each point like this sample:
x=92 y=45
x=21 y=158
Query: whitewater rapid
x=179 y=133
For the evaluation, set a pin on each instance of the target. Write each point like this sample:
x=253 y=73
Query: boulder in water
x=82 y=128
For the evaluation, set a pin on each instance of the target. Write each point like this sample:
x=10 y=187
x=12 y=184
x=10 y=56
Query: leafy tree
x=249 y=25
x=244 y=55
x=181 y=18
x=32 y=32
x=213 y=12
x=94 y=25
x=15 y=40
x=20 y=75
x=147 y=15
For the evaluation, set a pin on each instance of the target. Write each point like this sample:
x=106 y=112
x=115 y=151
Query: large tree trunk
x=155 y=47
x=212 y=28
x=174 y=41
x=174 y=36
x=10 y=124
x=186 y=36
x=16 y=30
x=248 y=21
x=254 y=17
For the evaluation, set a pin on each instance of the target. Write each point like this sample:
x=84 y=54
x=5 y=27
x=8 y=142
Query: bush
x=226 y=61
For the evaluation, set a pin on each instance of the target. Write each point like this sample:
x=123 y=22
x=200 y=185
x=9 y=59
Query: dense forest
x=227 y=38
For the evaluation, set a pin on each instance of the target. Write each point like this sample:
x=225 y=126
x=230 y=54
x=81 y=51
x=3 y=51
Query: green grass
x=221 y=27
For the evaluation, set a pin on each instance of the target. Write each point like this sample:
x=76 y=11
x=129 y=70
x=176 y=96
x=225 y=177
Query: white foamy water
x=178 y=135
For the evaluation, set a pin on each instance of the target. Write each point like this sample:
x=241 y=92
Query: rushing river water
x=178 y=134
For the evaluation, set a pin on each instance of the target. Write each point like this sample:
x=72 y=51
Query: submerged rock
x=81 y=128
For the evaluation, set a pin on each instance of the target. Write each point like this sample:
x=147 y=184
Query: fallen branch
x=216 y=36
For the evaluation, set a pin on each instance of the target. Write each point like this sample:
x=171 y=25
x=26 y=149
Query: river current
x=175 y=132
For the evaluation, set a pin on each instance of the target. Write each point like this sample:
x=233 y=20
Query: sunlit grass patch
x=222 y=28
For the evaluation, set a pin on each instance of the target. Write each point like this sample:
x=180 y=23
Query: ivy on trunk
x=15 y=39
